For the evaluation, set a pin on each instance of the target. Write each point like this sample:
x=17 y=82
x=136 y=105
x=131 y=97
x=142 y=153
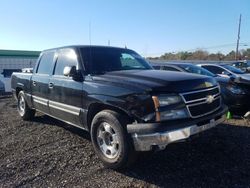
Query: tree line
x=204 y=55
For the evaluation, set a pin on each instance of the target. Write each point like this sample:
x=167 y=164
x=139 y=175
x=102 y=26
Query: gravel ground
x=49 y=153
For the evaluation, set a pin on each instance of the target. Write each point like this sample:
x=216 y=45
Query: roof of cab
x=83 y=46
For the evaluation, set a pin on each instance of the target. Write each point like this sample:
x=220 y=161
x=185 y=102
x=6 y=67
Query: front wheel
x=23 y=109
x=111 y=141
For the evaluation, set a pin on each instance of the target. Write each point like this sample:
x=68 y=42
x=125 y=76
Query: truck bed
x=21 y=81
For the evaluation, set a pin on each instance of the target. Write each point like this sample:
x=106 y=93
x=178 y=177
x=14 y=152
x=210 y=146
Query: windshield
x=99 y=60
x=233 y=69
x=196 y=70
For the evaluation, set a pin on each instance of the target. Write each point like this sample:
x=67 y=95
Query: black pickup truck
x=116 y=95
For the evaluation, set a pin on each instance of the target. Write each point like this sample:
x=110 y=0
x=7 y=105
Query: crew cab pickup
x=116 y=95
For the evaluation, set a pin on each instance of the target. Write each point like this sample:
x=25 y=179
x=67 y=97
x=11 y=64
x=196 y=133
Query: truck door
x=40 y=81
x=65 y=101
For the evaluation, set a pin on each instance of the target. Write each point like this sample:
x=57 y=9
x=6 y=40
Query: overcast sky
x=151 y=27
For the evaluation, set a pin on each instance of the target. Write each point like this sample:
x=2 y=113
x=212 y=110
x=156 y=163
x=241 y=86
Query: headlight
x=165 y=100
x=236 y=90
x=162 y=113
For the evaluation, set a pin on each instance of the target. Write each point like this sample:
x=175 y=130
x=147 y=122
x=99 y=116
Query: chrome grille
x=202 y=102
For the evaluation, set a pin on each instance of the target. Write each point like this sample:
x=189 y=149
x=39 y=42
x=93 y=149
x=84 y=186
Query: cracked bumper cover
x=146 y=136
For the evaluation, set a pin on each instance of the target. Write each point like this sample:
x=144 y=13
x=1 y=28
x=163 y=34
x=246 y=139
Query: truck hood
x=157 y=80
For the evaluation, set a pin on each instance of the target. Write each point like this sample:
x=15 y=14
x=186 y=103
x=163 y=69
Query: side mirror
x=72 y=72
x=68 y=71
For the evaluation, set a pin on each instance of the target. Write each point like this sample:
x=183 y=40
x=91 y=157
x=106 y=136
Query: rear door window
x=46 y=63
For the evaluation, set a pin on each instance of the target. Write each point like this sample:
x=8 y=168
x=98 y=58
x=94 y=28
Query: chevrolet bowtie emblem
x=210 y=99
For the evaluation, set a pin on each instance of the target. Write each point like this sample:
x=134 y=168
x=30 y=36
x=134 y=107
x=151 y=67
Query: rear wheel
x=111 y=141
x=23 y=109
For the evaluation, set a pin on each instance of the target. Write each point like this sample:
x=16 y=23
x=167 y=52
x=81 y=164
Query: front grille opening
x=197 y=103
x=204 y=108
x=202 y=94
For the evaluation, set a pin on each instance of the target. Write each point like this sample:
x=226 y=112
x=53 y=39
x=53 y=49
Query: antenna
x=108 y=42
x=238 y=40
x=90 y=33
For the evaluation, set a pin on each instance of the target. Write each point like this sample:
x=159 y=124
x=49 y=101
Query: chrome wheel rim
x=108 y=141
x=21 y=105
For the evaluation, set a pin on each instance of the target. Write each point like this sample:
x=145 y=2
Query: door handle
x=51 y=85
x=34 y=83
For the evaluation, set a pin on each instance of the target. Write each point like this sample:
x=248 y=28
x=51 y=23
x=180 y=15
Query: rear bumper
x=148 y=137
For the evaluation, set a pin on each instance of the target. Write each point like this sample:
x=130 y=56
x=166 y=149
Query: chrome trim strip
x=201 y=99
x=195 y=104
x=145 y=142
x=29 y=95
x=20 y=84
x=64 y=121
x=59 y=106
x=66 y=108
x=216 y=96
x=205 y=113
x=40 y=100
x=200 y=91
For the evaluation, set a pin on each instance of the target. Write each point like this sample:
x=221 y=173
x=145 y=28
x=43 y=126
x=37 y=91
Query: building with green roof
x=19 y=53
x=15 y=60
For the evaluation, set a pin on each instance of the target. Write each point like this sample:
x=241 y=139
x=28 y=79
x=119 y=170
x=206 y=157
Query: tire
x=23 y=109
x=111 y=142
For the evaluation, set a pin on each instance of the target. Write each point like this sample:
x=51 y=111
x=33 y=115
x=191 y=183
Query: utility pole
x=238 y=40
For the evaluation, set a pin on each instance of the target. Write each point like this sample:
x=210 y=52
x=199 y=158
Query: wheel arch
x=98 y=107
x=18 y=89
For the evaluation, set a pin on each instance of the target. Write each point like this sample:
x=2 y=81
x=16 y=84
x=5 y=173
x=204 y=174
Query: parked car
x=116 y=95
x=5 y=77
x=228 y=71
x=8 y=72
x=243 y=65
x=235 y=95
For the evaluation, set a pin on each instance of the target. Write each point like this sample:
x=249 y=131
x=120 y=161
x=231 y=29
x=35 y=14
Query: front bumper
x=158 y=135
